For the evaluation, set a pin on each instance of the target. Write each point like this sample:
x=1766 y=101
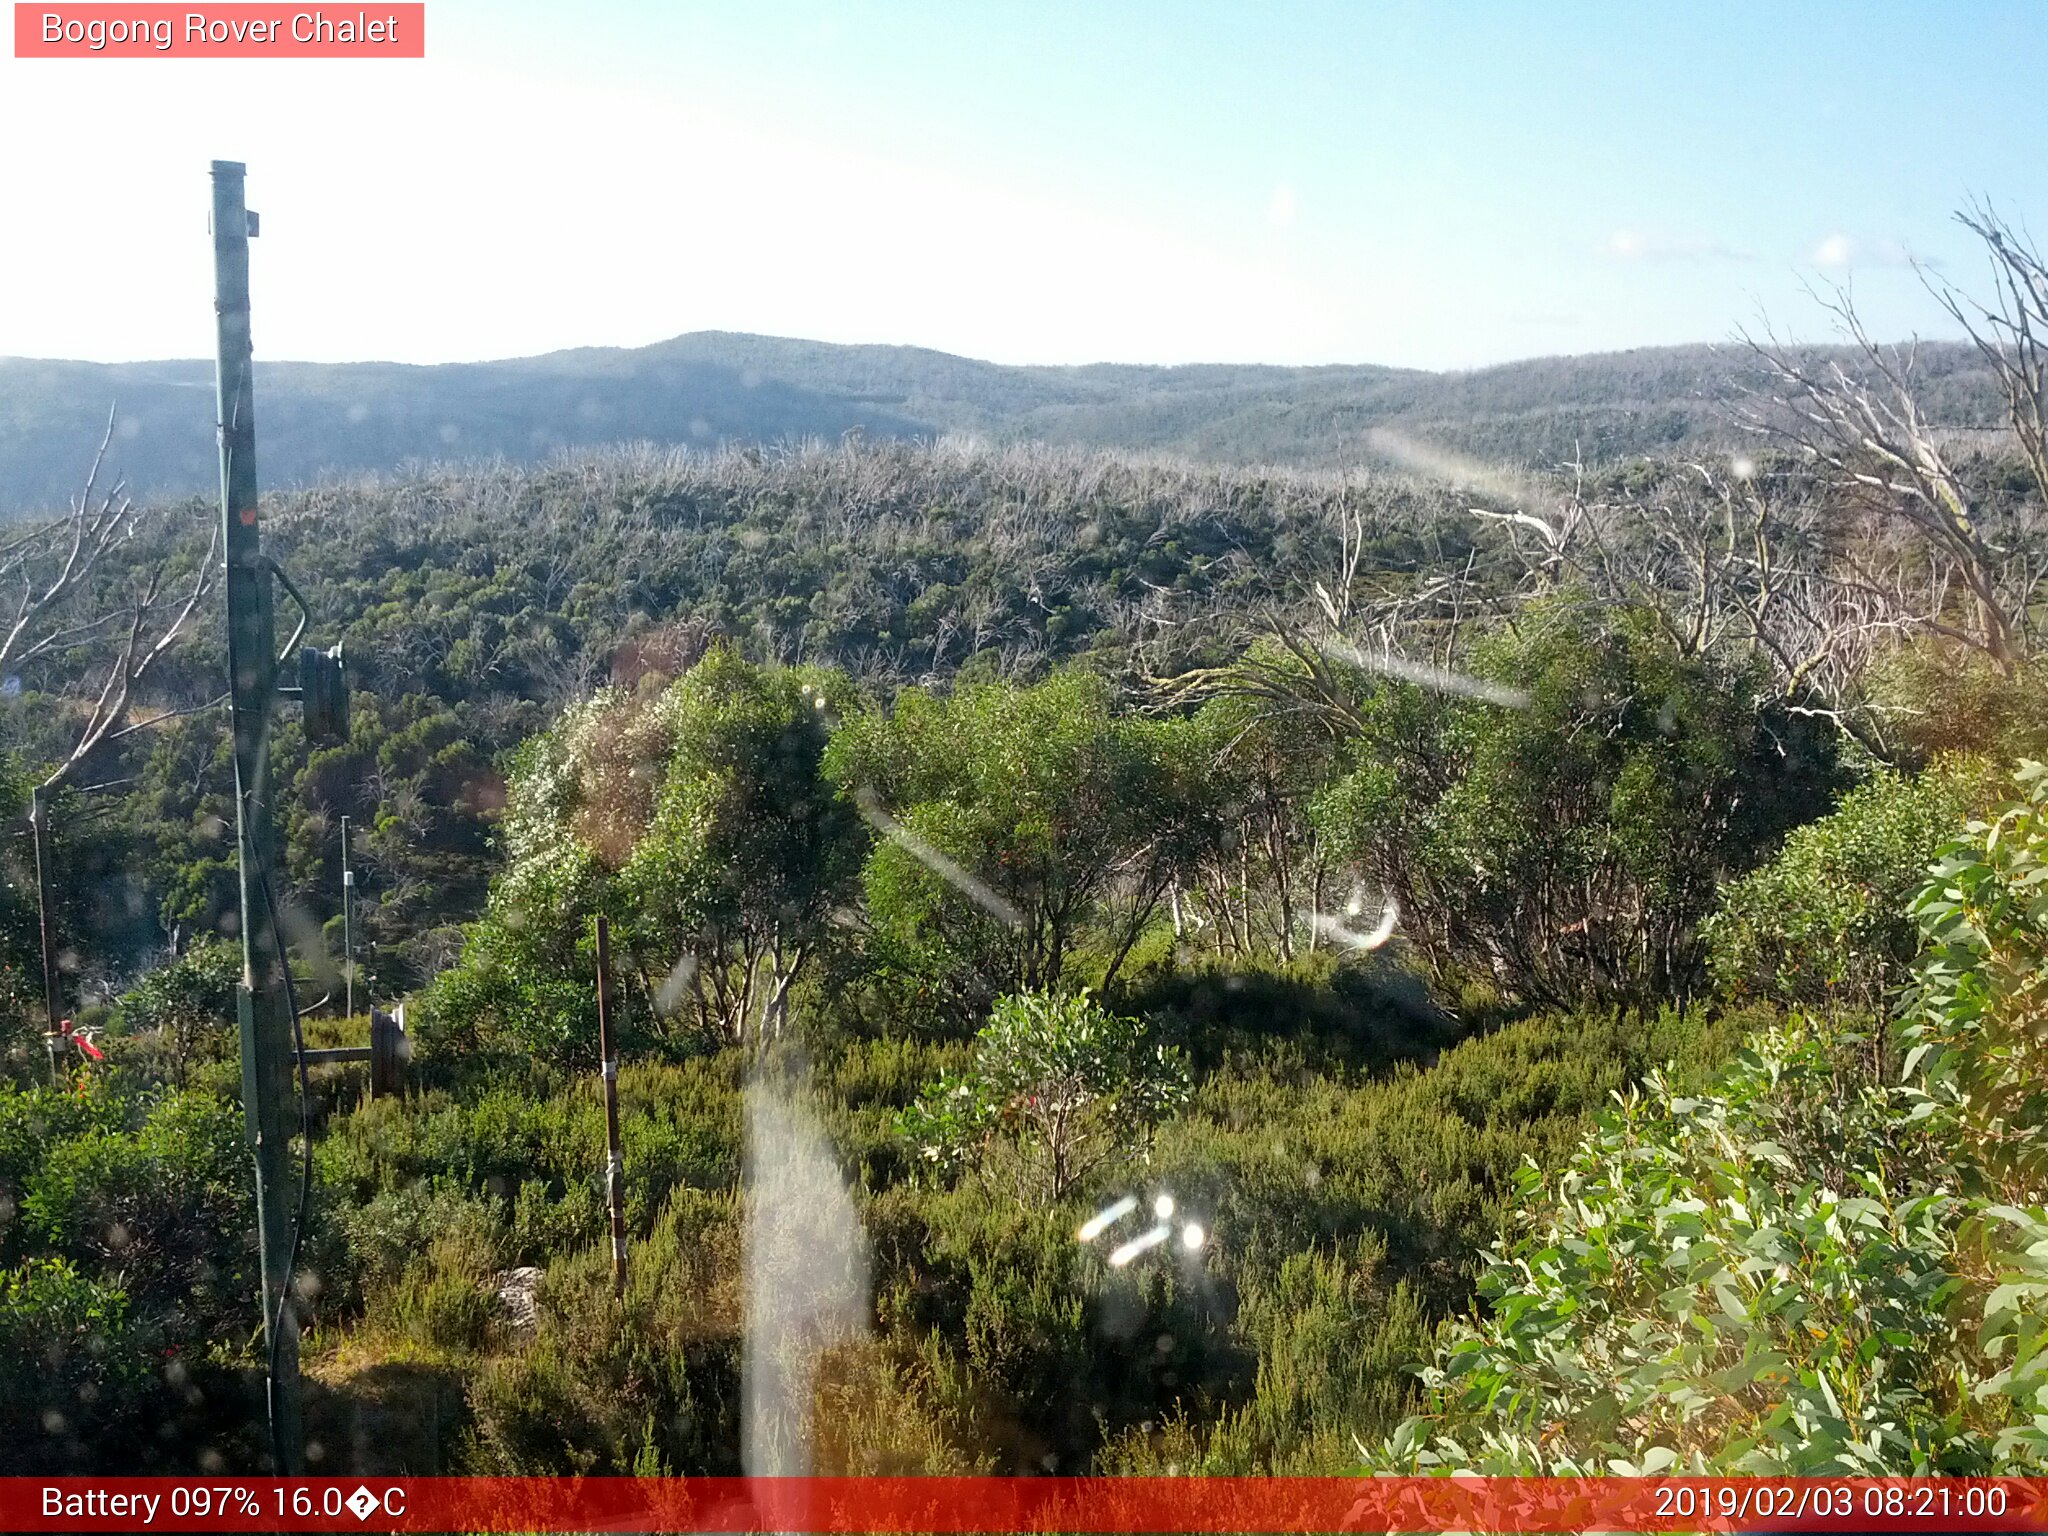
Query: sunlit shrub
x=1060 y=1082
x=1935 y=698
x=1812 y=1268
x=1825 y=923
x=167 y=1205
x=1566 y=838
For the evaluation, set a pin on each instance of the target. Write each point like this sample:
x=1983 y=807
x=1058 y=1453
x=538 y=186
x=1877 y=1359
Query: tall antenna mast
x=252 y=681
x=268 y=1012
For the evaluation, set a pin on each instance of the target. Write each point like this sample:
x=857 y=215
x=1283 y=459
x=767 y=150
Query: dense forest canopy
x=1262 y=966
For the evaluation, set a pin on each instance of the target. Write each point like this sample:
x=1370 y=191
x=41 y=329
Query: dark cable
x=291 y=1262
x=284 y=966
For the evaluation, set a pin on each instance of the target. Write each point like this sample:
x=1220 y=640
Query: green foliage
x=1348 y=1153
x=701 y=822
x=183 y=1011
x=1251 y=879
x=1028 y=817
x=70 y=1362
x=163 y=1199
x=21 y=977
x=748 y=849
x=1569 y=848
x=1346 y=1202
x=1825 y=923
x=127 y=1264
x=1809 y=1269
x=581 y=1394
x=1750 y=1280
x=1980 y=996
x=442 y=1300
x=1940 y=699
x=1070 y=1084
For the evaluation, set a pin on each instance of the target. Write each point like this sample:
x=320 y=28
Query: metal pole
x=252 y=675
x=53 y=1007
x=615 y=1165
x=348 y=954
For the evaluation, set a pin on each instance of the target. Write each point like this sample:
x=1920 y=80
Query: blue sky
x=1429 y=185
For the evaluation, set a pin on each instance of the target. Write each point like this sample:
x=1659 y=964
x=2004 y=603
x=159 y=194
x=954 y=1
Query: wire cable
x=284 y=966
x=291 y=1262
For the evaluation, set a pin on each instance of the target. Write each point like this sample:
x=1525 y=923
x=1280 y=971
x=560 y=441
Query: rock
x=517 y=1290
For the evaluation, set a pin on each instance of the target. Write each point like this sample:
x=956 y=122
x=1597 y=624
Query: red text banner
x=240 y=31
x=1036 y=1504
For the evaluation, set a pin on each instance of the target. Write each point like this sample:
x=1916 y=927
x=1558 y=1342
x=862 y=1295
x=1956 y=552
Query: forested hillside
x=1121 y=964
x=713 y=388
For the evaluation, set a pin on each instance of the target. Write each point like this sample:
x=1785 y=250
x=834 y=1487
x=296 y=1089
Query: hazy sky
x=1433 y=185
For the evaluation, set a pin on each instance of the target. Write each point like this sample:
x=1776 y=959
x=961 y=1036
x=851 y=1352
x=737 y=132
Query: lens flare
x=1108 y=1216
x=1139 y=1244
x=1340 y=930
x=1423 y=675
x=876 y=816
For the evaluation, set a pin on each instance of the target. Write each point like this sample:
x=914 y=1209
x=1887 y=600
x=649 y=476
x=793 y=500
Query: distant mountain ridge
x=316 y=420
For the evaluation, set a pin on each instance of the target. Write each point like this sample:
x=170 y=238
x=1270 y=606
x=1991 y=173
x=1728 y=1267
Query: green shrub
x=389 y=1231
x=1811 y=1269
x=701 y=823
x=1060 y=1080
x=71 y=1363
x=444 y=1300
x=1978 y=1017
x=182 y=1013
x=1934 y=698
x=1747 y=1280
x=32 y=1120
x=1825 y=923
x=580 y=1395
x=167 y=1205
x=1567 y=843
x=1028 y=821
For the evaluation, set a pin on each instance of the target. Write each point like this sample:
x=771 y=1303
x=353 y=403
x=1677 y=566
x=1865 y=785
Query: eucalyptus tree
x=697 y=816
x=1024 y=829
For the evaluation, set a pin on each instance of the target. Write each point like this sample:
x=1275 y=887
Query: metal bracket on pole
x=387 y=1053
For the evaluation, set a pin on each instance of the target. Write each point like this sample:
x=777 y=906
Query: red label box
x=240 y=31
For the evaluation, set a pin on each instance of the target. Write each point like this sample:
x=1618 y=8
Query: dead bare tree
x=53 y=560
x=63 y=613
x=1867 y=431
x=2013 y=338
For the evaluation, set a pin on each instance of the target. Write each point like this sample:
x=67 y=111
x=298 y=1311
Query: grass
x=1350 y=1163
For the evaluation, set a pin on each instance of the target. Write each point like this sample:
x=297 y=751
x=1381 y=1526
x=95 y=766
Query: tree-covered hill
x=709 y=388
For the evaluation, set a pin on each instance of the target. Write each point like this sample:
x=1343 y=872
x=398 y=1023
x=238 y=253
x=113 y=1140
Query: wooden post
x=615 y=1164
x=53 y=1027
x=348 y=949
